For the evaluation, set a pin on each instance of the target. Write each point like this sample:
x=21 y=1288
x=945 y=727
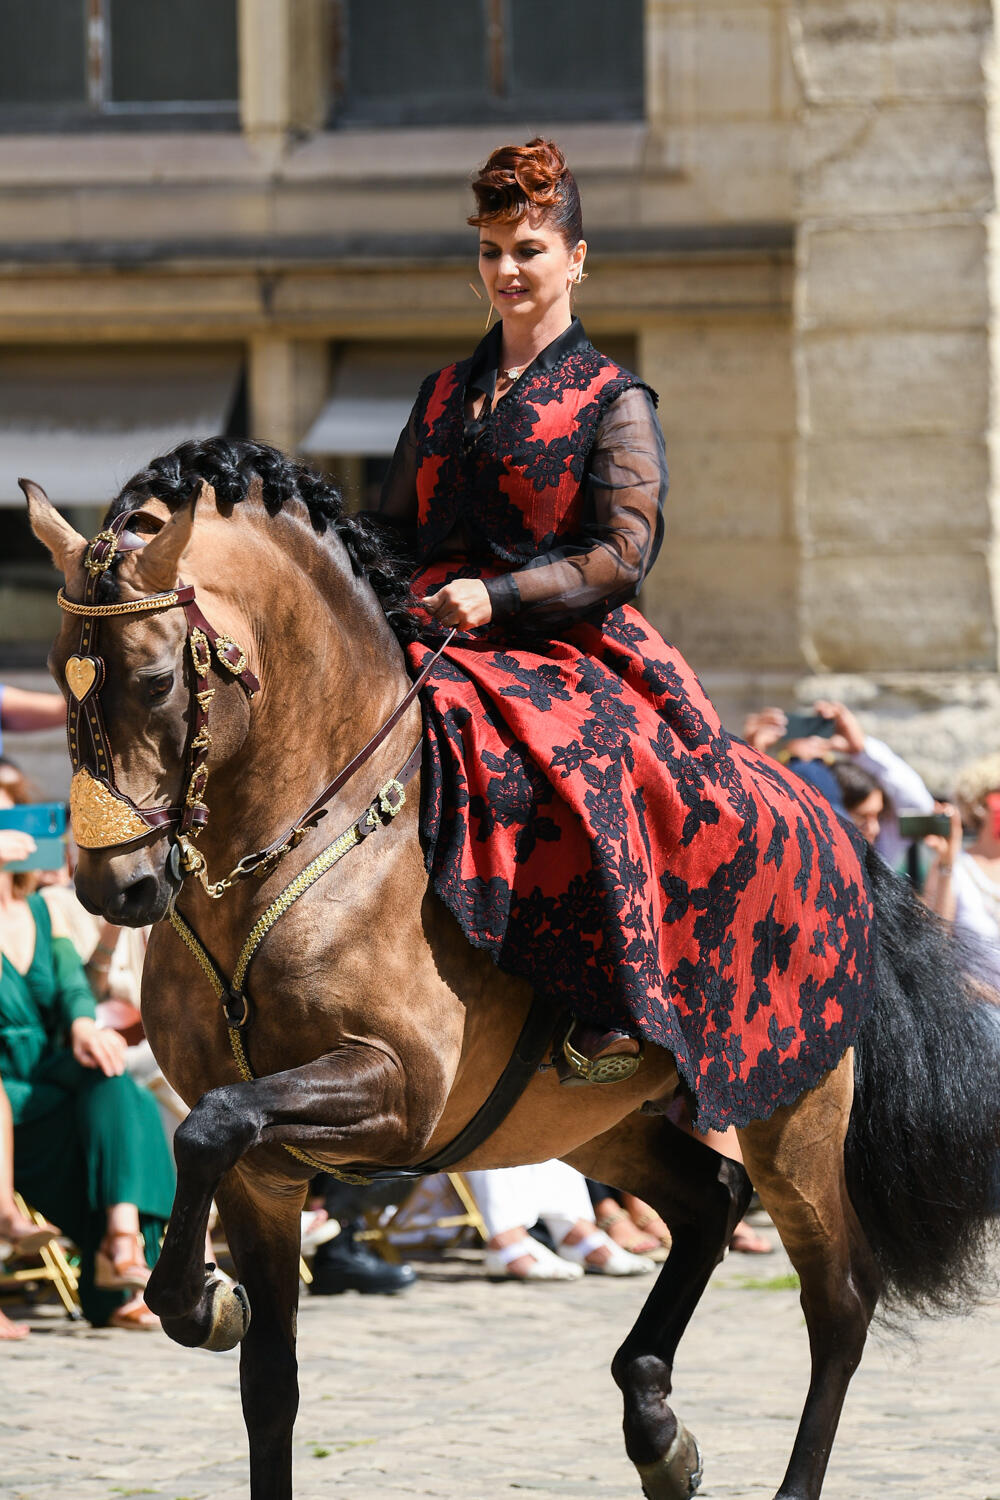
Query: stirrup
x=574 y=1066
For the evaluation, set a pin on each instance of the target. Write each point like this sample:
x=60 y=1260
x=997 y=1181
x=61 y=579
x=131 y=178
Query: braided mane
x=230 y=466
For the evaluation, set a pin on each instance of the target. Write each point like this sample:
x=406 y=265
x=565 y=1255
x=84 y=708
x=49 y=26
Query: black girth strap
x=529 y=1053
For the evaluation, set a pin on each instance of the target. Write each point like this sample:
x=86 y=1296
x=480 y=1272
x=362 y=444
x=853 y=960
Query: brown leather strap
x=251 y=863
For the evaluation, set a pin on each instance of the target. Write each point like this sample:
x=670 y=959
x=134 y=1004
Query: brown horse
x=376 y=1031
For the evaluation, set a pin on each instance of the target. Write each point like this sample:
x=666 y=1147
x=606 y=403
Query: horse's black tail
x=923 y=1147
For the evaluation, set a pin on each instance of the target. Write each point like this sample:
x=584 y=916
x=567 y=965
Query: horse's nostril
x=136 y=903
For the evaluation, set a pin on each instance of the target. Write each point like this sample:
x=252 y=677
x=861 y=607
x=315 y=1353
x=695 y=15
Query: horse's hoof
x=677 y=1475
x=228 y=1313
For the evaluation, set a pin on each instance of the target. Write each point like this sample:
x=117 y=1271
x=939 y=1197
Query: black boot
x=344 y=1265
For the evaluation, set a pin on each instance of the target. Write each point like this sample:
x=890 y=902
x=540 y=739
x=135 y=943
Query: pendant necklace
x=513 y=373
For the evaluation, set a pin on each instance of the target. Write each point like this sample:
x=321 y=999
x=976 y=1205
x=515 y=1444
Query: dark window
x=70 y=63
x=465 y=61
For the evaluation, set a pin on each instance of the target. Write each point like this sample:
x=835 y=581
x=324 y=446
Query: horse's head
x=139 y=674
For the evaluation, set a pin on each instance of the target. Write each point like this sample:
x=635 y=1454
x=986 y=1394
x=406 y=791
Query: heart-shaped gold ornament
x=81 y=674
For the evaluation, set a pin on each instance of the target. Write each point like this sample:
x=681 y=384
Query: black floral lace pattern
x=585 y=816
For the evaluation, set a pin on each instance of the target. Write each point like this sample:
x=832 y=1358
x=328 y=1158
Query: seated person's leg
x=568 y=1215
x=510 y=1200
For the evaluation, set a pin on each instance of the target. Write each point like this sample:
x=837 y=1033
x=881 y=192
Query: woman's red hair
x=517 y=179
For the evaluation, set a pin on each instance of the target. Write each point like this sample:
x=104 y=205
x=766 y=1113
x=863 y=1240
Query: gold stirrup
x=613 y=1069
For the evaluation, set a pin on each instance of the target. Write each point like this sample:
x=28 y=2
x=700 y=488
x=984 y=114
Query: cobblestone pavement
x=467 y=1390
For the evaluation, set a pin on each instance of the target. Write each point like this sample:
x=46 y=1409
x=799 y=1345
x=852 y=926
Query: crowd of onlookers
x=86 y=1116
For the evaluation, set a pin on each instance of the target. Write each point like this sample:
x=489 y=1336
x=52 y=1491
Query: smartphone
x=804 y=726
x=46 y=823
x=919 y=825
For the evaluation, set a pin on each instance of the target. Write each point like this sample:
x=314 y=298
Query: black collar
x=485 y=366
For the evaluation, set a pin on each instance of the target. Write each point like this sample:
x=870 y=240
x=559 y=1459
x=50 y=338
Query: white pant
x=513 y=1196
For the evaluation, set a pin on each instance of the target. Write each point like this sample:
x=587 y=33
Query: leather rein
x=103 y=816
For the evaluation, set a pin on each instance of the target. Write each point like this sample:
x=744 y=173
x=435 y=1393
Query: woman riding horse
x=588 y=821
x=238 y=701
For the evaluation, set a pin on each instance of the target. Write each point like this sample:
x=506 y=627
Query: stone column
x=287 y=381
x=282 y=58
x=720 y=116
x=894 y=344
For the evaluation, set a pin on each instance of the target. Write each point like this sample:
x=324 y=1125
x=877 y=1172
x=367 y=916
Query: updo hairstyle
x=517 y=179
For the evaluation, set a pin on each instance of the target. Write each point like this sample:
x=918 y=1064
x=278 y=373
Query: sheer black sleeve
x=398 y=500
x=625 y=487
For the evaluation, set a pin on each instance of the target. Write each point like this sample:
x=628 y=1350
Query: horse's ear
x=66 y=544
x=155 y=567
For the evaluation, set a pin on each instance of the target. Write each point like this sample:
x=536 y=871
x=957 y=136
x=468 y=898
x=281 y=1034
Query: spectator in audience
x=632 y=1224
x=858 y=773
x=88 y=1148
x=25 y=711
x=512 y=1199
x=21 y=1235
x=344 y=1262
x=963 y=884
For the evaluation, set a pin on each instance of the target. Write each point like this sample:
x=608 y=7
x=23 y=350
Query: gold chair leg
x=473 y=1217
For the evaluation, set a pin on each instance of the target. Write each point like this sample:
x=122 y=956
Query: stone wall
x=798 y=238
x=894 y=200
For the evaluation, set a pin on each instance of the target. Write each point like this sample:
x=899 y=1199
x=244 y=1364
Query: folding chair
x=55 y=1268
x=468 y=1217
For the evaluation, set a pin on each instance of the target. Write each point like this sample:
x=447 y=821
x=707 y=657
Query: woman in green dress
x=89 y=1149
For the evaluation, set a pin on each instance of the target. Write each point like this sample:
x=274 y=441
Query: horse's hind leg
x=702 y=1196
x=796 y=1160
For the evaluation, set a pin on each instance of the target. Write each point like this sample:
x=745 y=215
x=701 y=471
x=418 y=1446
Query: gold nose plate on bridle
x=99 y=818
x=81 y=674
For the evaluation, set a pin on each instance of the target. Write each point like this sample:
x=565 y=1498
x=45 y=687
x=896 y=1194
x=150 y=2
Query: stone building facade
x=791 y=212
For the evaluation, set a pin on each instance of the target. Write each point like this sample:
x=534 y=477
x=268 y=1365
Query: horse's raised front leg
x=702 y=1197
x=796 y=1159
x=348 y=1102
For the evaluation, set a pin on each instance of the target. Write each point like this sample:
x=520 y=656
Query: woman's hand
x=848 y=737
x=96 y=1047
x=15 y=845
x=946 y=850
x=465 y=604
x=764 y=729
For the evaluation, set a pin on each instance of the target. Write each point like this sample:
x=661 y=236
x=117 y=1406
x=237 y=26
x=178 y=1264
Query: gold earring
x=489 y=318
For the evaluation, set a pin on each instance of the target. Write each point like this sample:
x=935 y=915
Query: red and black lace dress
x=586 y=817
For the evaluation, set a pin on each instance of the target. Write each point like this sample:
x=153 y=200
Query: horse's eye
x=159 y=687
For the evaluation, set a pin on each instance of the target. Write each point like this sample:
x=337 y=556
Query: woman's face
x=867 y=815
x=526 y=267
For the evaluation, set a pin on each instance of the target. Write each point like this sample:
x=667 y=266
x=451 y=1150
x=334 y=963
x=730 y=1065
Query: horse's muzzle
x=131 y=889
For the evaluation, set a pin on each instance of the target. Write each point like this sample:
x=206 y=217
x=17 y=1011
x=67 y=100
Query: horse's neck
x=331 y=671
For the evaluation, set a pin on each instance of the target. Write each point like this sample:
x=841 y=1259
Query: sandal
x=651 y=1223
x=126 y=1271
x=135 y=1318
x=27 y=1239
x=618 y=1262
x=638 y=1243
x=544 y=1267
x=317 y=1229
x=746 y=1241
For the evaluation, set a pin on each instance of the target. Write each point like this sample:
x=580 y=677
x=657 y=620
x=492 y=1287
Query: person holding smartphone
x=815 y=746
x=89 y=1152
x=963 y=884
